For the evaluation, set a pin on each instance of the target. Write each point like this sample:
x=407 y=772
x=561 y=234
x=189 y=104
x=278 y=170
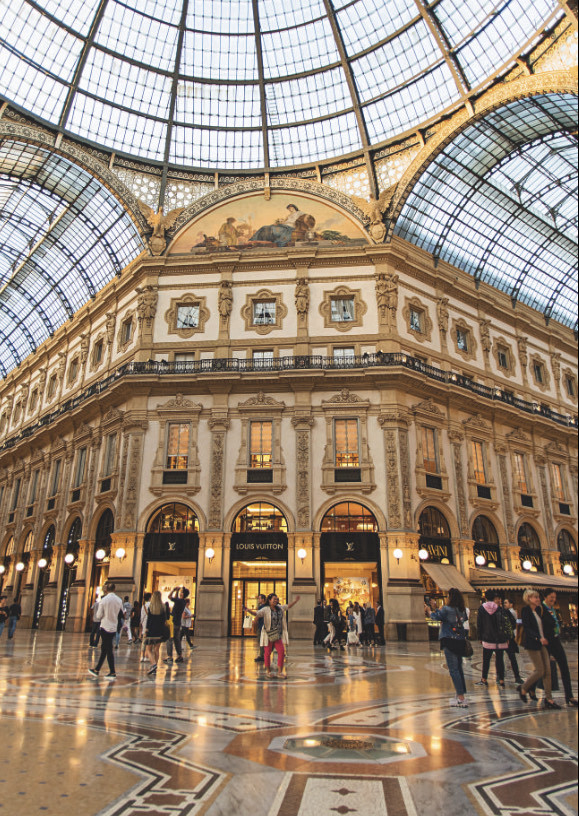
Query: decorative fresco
x=254 y=222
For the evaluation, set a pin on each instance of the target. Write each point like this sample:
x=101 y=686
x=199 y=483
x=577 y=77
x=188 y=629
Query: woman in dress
x=156 y=629
x=536 y=643
x=274 y=633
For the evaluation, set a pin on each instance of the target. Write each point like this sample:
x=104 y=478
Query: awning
x=503 y=579
x=446 y=576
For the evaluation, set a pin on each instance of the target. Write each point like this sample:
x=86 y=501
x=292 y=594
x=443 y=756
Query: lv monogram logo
x=171 y=546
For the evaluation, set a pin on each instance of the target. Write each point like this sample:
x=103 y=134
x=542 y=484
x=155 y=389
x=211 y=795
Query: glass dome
x=247 y=84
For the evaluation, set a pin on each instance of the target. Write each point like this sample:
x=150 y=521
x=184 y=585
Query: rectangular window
x=263 y=312
x=80 y=467
x=55 y=477
x=416 y=320
x=557 y=480
x=110 y=454
x=521 y=483
x=570 y=386
x=16 y=494
x=98 y=352
x=346 y=443
x=462 y=339
x=342 y=310
x=185 y=357
x=34 y=487
x=503 y=359
x=344 y=355
x=261 y=444
x=178 y=446
x=478 y=462
x=262 y=359
x=188 y=316
x=73 y=372
x=429 y=449
x=127 y=331
x=538 y=371
x=52 y=386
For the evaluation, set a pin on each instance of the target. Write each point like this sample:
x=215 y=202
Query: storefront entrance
x=250 y=579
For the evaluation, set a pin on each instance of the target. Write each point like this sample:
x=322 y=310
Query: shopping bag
x=248 y=622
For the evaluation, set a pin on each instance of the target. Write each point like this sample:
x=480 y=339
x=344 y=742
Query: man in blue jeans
x=14 y=614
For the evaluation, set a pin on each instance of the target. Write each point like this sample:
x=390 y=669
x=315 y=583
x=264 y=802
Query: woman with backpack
x=493 y=633
x=453 y=642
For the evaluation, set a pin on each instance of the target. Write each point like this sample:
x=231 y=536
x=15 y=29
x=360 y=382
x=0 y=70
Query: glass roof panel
x=103 y=72
x=482 y=206
x=227 y=106
x=291 y=145
x=63 y=236
x=226 y=148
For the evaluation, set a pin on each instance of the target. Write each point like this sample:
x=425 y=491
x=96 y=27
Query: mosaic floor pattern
x=369 y=732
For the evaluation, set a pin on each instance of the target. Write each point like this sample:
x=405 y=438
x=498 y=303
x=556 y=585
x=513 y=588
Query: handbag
x=468 y=650
x=273 y=634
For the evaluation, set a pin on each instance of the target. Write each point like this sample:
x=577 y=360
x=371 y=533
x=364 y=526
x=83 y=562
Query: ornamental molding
x=261 y=401
x=555 y=448
x=252 y=185
x=172 y=314
x=345 y=397
x=477 y=422
x=247 y=311
x=80 y=157
x=179 y=403
x=519 y=435
x=428 y=406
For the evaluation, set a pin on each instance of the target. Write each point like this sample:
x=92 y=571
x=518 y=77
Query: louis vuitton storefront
x=350 y=555
x=171 y=550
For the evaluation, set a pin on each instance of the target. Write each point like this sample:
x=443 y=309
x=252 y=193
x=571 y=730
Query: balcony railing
x=279 y=365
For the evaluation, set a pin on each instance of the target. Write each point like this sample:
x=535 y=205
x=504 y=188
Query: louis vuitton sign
x=171 y=547
x=350 y=546
x=259 y=547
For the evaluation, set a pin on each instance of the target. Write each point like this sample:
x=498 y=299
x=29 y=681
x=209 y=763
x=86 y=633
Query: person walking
x=320 y=624
x=452 y=638
x=14 y=615
x=274 y=634
x=261 y=602
x=187 y=623
x=369 y=621
x=144 y=613
x=358 y=615
x=513 y=649
x=4 y=612
x=536 y=643
x=353 y=639
x=552 y=631
x=380 y=624
x=177 y=597
x=492 y=633
x=126 y=626
x=135 y=621
x=156 y=630
x=107 y=614
x=95 y=627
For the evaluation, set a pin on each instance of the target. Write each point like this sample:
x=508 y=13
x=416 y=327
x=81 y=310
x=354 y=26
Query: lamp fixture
x=69 y=559
x=398 y=554
x=444 y=561
x=423 y=554
x=210 y=554
x=19 y=566
x=2 y=569
x=568 y=569
x=302 y=554
x=100 y=554
x=120 y=553
x=480 y=560
x=527 y=565
x=42 y=563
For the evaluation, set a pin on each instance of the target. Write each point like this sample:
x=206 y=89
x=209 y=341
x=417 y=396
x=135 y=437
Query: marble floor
x=365 y=732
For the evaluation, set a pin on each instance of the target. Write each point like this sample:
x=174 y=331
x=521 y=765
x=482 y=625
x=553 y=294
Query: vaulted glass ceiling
x=63 y=236
x=243 y=84
x=500 y=201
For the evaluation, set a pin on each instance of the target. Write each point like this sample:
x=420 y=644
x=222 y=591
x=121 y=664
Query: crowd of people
x=358 y=625
x=502 y=631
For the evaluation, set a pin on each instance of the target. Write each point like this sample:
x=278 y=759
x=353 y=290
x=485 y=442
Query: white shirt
x=108 y=612
x=145 y=612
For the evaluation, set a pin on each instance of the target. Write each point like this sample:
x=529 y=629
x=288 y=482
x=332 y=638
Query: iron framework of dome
x=248 y=84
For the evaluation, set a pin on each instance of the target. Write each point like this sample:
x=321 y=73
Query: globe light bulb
x=302 y=554
x=397 y=554
x=99 y=555
x=480 y=560
x=210 y=554
x=120 y=553
x=527 y=565
x=42 y=563
x=19 y=566
x=69 y=558
x=568 y=569
x=423 y=555
x=2 y=569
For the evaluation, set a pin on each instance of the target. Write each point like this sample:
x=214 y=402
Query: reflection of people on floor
x=280 y=233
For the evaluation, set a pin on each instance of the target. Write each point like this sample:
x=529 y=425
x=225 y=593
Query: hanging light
x=302 y=554
x=20 y=566
x=480 y=560
x=423 y=554
x=100 y=554
x=398 y=554
x=69 y=559
x=42 y=563
x=527 y=565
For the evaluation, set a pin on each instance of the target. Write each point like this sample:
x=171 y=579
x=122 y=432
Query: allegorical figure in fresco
x=280 y=233
x=230 y=232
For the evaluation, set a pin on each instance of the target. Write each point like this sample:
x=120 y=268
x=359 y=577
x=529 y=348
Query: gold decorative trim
x=343 y=293
x=425 y=333
x=171 y=315
x=264 y=295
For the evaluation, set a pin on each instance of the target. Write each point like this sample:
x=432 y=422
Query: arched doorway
x=529 y=549
x=259 y=553
x=487 y=552
x=171 y=551
x=101 y=558
x=567 y=553
x=350 y=555
x=43 y=573
x=435 y=542
x=69 y=575
x=9 y=552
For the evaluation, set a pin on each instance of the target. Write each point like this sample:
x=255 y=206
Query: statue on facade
x=374 y=211
x=442 y=314
x=225 y=303
x=147 y=302
x=84 y=346
x=110 y=327
x=387 y=294
x=302 y=297
x=485 y=335
x=523 y=356
x=160 y=224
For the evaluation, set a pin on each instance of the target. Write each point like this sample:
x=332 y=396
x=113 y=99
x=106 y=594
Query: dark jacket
x=532 y=636
x=491 y=625
x=549 y=626
x=380 y=616
x=156 y=626
x=319 y=615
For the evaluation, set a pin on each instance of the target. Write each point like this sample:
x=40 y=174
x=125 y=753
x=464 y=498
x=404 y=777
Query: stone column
x=134 y=441
x=218 y=424
x=79 y=590
x=549 y=524
x=303 y=423
x=501 y=452
x=302 y=301
x=456 y=440
x=386 y=282
x=211 y=609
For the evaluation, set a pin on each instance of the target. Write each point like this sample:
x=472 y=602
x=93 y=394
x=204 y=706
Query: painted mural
x=283 y=221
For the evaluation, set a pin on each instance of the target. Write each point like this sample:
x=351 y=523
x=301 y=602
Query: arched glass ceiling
x=63 y=236
x=500 y=202
x=253 y=83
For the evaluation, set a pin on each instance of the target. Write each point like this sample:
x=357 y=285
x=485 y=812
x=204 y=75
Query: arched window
x=29 y=543
x=74 y=533
x=527 y=538
x=349 y=517
x=105 y=529
x=260 y=517
x=11 y=547
x=173 y=518
x=49 y=538
x=565 y=543
x=433 y=524
x=484 y=532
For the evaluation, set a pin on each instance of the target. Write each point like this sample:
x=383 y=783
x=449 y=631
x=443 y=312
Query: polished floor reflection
x=365 y=732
